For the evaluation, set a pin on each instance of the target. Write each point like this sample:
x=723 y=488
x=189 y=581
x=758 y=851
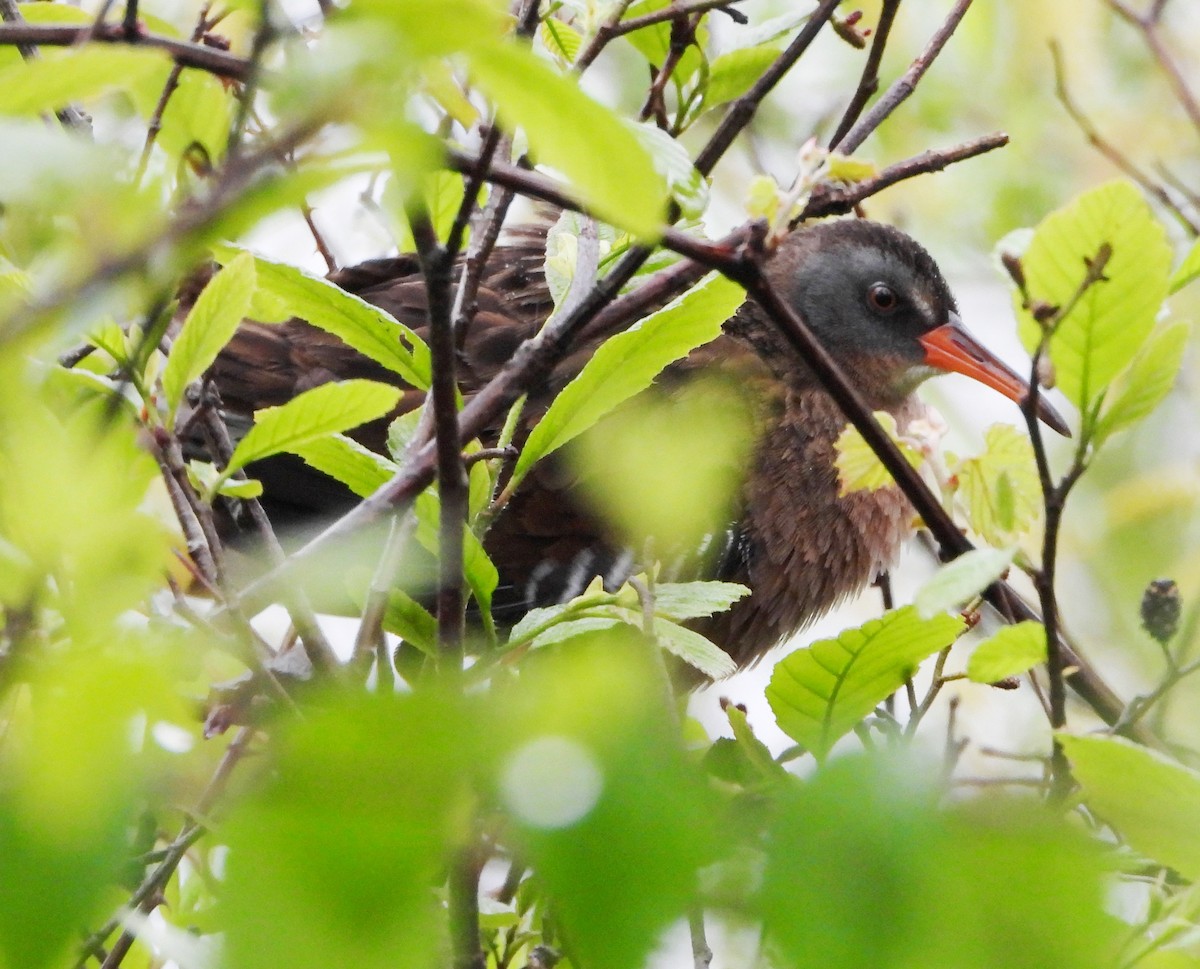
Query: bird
x=871 y=294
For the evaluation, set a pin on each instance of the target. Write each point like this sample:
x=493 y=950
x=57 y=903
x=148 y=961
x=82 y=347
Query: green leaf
x=442 y=195
x=478 y=569
x=200 y=112
x=1000 y=487
x=1114 y=316
x=962 y=579
x=327 y=409
x=51 y=82
x=627 y=364
x=1010 y=652
x=602 y=158
x=360 y=469
x=1141 y=388
x=366 y=328
x=671 y=160
x=210 y=324
x=411 y=621
x=693 y=649
x=894 y=878
x=732 y=75
x=693 y=600
x=820 y=693
x=1188 y=270
x=1152 y=801
x=561 y=39
x=859 y=468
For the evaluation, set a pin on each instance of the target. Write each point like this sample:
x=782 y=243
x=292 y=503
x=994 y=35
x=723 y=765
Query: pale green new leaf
x=1153 y=802
x=560 y=632
x=1010 y=652
x=627 y=364
x=1000 y=488
x=1148 y=380
x=859 y=468
x=371 y=331
x=1188 y=270
x=561 y=39
x=570 y=132
x=820 y=693
x=1112 y=319
x=411 y=621
x=210 y=323
x=360 y=469
x=48 y=83
x=693 y=600
x=328 y=409
x=671 y=160
x=732 y=75
x=478 y=569
x=962 y=579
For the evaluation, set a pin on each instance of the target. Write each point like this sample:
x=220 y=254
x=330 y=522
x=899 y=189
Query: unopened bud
x=1045 y=372
x=1160 y=610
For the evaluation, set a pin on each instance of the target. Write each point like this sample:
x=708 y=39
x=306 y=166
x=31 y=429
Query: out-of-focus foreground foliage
x=551 y=803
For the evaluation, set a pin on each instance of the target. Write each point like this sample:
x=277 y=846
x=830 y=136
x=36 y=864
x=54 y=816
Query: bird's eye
x=882 y=298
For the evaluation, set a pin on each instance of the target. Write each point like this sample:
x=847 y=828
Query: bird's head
x=879 y=304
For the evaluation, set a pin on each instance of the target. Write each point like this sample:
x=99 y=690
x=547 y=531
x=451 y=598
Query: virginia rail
x=875 y=298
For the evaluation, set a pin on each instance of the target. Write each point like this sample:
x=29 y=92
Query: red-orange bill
x=951 y=347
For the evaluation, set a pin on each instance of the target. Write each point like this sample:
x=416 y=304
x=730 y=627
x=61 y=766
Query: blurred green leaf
x=441 y=195
x=671 y=160
x=335 y=860
x=480 y=573
x=820 y=693
x=360 y=469
x=1188 y=270
x=962 y=579
x=50 y=82
x=330 y=408
x=1112 y=319
x=1150 y=377
x=599 y=155
x=411 y=621
x=892 y=879
x=210 y=323
x=366 y=328
x=199 y=113
x=627 y=364
x=1152 y=801
x=591 y=773
x=1012 y=651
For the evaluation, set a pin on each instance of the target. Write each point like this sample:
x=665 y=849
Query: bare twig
x=868 y=83
x=1148 y=24
x=604 y=34
x=1150 y=185
x=186 y=54
x=900 y=89
x=69 y=116
x=370 y=626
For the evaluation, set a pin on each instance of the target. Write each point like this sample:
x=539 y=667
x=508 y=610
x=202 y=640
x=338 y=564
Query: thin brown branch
x=370 y=626
x=670 y=13
x=451 y=472
x=604 y=34
x=148 y=895
x=868 y=83
x=69 y=115
x=1106 y=148
x=1148 y=26
x=903 y=86
x=186 y=54
x=744 y=108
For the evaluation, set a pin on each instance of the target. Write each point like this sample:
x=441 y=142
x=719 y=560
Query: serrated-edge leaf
x=818 y=694
x=1188 y=270
x=627 y=364
x=602 y=158
x=694 y=600
x=411 y=621
x=1112 y=319
x=859 y=467
x=1152 y=801
x=327 y=409
x=209 y=325
x=371 y=331
x=342 y=458
x=33 y=87
x=1000 y=487
x=1012 y=651
x=694 y=649
x=961 y=579
x=1147 y=382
